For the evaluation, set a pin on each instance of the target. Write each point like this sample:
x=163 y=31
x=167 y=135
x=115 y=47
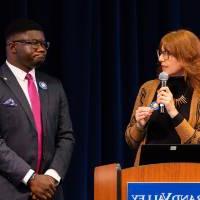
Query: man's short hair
x=21 y=25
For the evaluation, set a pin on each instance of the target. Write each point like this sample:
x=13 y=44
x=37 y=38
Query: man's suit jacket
x=18 y=136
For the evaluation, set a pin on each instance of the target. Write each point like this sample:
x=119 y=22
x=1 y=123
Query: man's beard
x=38 y=63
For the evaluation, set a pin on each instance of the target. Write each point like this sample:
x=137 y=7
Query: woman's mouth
x=163 y=66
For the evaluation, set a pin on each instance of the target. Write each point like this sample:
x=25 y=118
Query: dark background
x=102 y=50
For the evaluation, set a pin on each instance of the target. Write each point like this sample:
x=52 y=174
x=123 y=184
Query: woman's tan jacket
x=188 y=131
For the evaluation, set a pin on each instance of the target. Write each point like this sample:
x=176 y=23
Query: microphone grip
x=163 y=83
x=162 y=106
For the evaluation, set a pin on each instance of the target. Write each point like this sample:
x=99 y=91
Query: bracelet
x=32 y=177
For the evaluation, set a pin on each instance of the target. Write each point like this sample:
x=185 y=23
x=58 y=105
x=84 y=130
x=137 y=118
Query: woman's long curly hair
x=185 y=47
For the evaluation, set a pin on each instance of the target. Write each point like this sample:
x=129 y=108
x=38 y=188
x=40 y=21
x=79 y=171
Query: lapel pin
x=43 y=85
x=4 y=78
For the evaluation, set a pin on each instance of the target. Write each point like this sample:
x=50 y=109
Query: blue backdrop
x=102 y=50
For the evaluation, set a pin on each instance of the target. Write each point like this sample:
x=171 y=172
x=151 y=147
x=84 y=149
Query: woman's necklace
x=181 y=100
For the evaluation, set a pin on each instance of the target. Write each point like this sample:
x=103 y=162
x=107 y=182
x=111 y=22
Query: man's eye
x=35 y=42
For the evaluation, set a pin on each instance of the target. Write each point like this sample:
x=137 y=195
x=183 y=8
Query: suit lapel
x=14 y=86
x=43 y=92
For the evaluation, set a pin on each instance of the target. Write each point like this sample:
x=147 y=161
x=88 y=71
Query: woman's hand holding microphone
x=164 y=96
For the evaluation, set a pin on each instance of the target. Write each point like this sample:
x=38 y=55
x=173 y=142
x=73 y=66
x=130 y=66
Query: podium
x=110 y=181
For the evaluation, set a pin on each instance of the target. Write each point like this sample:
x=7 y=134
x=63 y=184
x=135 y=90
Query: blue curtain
x=102 y=51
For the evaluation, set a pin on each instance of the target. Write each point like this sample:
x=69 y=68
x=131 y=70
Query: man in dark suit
x=36 y=140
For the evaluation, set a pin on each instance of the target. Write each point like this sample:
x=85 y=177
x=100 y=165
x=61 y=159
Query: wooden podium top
x=164 y=172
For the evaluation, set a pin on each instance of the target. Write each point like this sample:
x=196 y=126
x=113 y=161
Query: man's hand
x=42 y=187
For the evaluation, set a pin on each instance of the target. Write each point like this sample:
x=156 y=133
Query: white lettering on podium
x=165 y=196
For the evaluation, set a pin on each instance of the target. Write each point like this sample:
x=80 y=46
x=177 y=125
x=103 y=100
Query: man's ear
x=11 y=46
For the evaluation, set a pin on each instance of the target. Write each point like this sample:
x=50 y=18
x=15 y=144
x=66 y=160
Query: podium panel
x=111 y=184
x=107 y=182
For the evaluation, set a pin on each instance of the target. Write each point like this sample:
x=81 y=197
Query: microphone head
x=163 y=76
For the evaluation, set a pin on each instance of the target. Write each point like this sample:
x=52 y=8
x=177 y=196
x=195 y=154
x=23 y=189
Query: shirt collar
x=20 y=73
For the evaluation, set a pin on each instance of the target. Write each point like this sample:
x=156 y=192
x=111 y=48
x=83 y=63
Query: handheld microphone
x=163 y=77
